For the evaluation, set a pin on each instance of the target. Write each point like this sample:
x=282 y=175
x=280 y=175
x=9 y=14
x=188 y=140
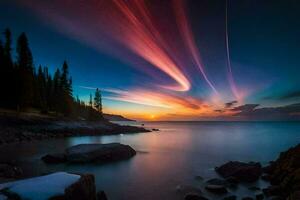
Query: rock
x=193 y=196
x=188 y=189
x=9 y=171
x=217 y=181
x=285 y=171
x=259 y=196
x=54 y=158
x=56 y=186
x=155 y=129
x=216 y=189
x=101 y=195
x=232 y=181
x=84 y=153
x=83 y=189
x=247 y=198
x=246 y=172
x=231 y=197
x=272 y=190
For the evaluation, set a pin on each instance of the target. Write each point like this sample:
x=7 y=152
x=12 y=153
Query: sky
x=172 y=59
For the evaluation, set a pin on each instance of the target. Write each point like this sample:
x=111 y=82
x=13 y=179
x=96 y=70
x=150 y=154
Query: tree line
x=24 y=87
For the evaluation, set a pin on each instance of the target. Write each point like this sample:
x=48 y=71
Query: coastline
x=27 y=127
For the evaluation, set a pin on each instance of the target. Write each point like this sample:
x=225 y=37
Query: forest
x=25 y=87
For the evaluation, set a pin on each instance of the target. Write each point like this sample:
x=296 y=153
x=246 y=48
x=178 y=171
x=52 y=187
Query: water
x=168 y=158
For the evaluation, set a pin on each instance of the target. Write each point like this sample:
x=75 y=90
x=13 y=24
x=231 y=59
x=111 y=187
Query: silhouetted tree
x=26 y=73
x=91 y=101
x=98 y=101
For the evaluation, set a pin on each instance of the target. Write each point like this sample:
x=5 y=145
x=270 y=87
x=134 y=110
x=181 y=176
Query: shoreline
x=25 y=128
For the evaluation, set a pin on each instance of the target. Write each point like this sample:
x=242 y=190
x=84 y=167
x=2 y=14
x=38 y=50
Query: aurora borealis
x=174 y=59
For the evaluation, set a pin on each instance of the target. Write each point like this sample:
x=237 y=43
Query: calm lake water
x=168 y=158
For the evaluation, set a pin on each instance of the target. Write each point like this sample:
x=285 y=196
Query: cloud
x=230 y=104
x=251 y=112
x=291 y=95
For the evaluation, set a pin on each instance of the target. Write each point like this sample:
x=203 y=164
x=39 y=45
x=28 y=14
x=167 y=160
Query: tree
x=66 y=91
x=8 y=86
x=25 y=85
x=98 y=101
x=91 y=101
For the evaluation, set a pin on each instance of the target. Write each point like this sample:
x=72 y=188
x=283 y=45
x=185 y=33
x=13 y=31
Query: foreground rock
x=85 y=153
x=56 y=186
x=285 y=175
x=245 y=172
x=216 y=189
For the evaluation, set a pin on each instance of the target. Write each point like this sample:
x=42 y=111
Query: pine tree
x=66 y=89
x=91 y=101
x=8 y=86
x=26 y=73
x=98 y=101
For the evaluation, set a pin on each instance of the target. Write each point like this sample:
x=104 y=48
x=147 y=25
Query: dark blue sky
x=263 y=41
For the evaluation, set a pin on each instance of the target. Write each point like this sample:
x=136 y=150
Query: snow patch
x=43 y=187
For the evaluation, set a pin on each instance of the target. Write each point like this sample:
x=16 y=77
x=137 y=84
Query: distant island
x=111 y=117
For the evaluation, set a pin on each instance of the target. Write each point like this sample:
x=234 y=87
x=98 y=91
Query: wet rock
x=232 y=181
x=286 y=171
x=101 y=195
x=84 y=153
x=10 y=171
x=216 y=189
x=54 y=158
x=83 y=189
x=246 y=172
x=193 y=196
x=231 y=197
x=217 y=181
x=188 y=189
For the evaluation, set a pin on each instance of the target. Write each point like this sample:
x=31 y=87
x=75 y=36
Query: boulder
x=192 y=196
x=84 y=153
x=216 y=189
x=54 y=158
x=285 y=171
x=56 y=186
x=217 y=181
x=246 y=172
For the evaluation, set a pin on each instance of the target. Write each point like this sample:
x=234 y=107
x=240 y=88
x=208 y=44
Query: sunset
x=209 y=86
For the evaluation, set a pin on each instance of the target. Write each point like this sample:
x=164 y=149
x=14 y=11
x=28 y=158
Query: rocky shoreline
x=283 y=176
x=27 y=128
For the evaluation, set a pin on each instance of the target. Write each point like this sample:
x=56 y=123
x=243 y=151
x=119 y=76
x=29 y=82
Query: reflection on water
x=174 y=155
